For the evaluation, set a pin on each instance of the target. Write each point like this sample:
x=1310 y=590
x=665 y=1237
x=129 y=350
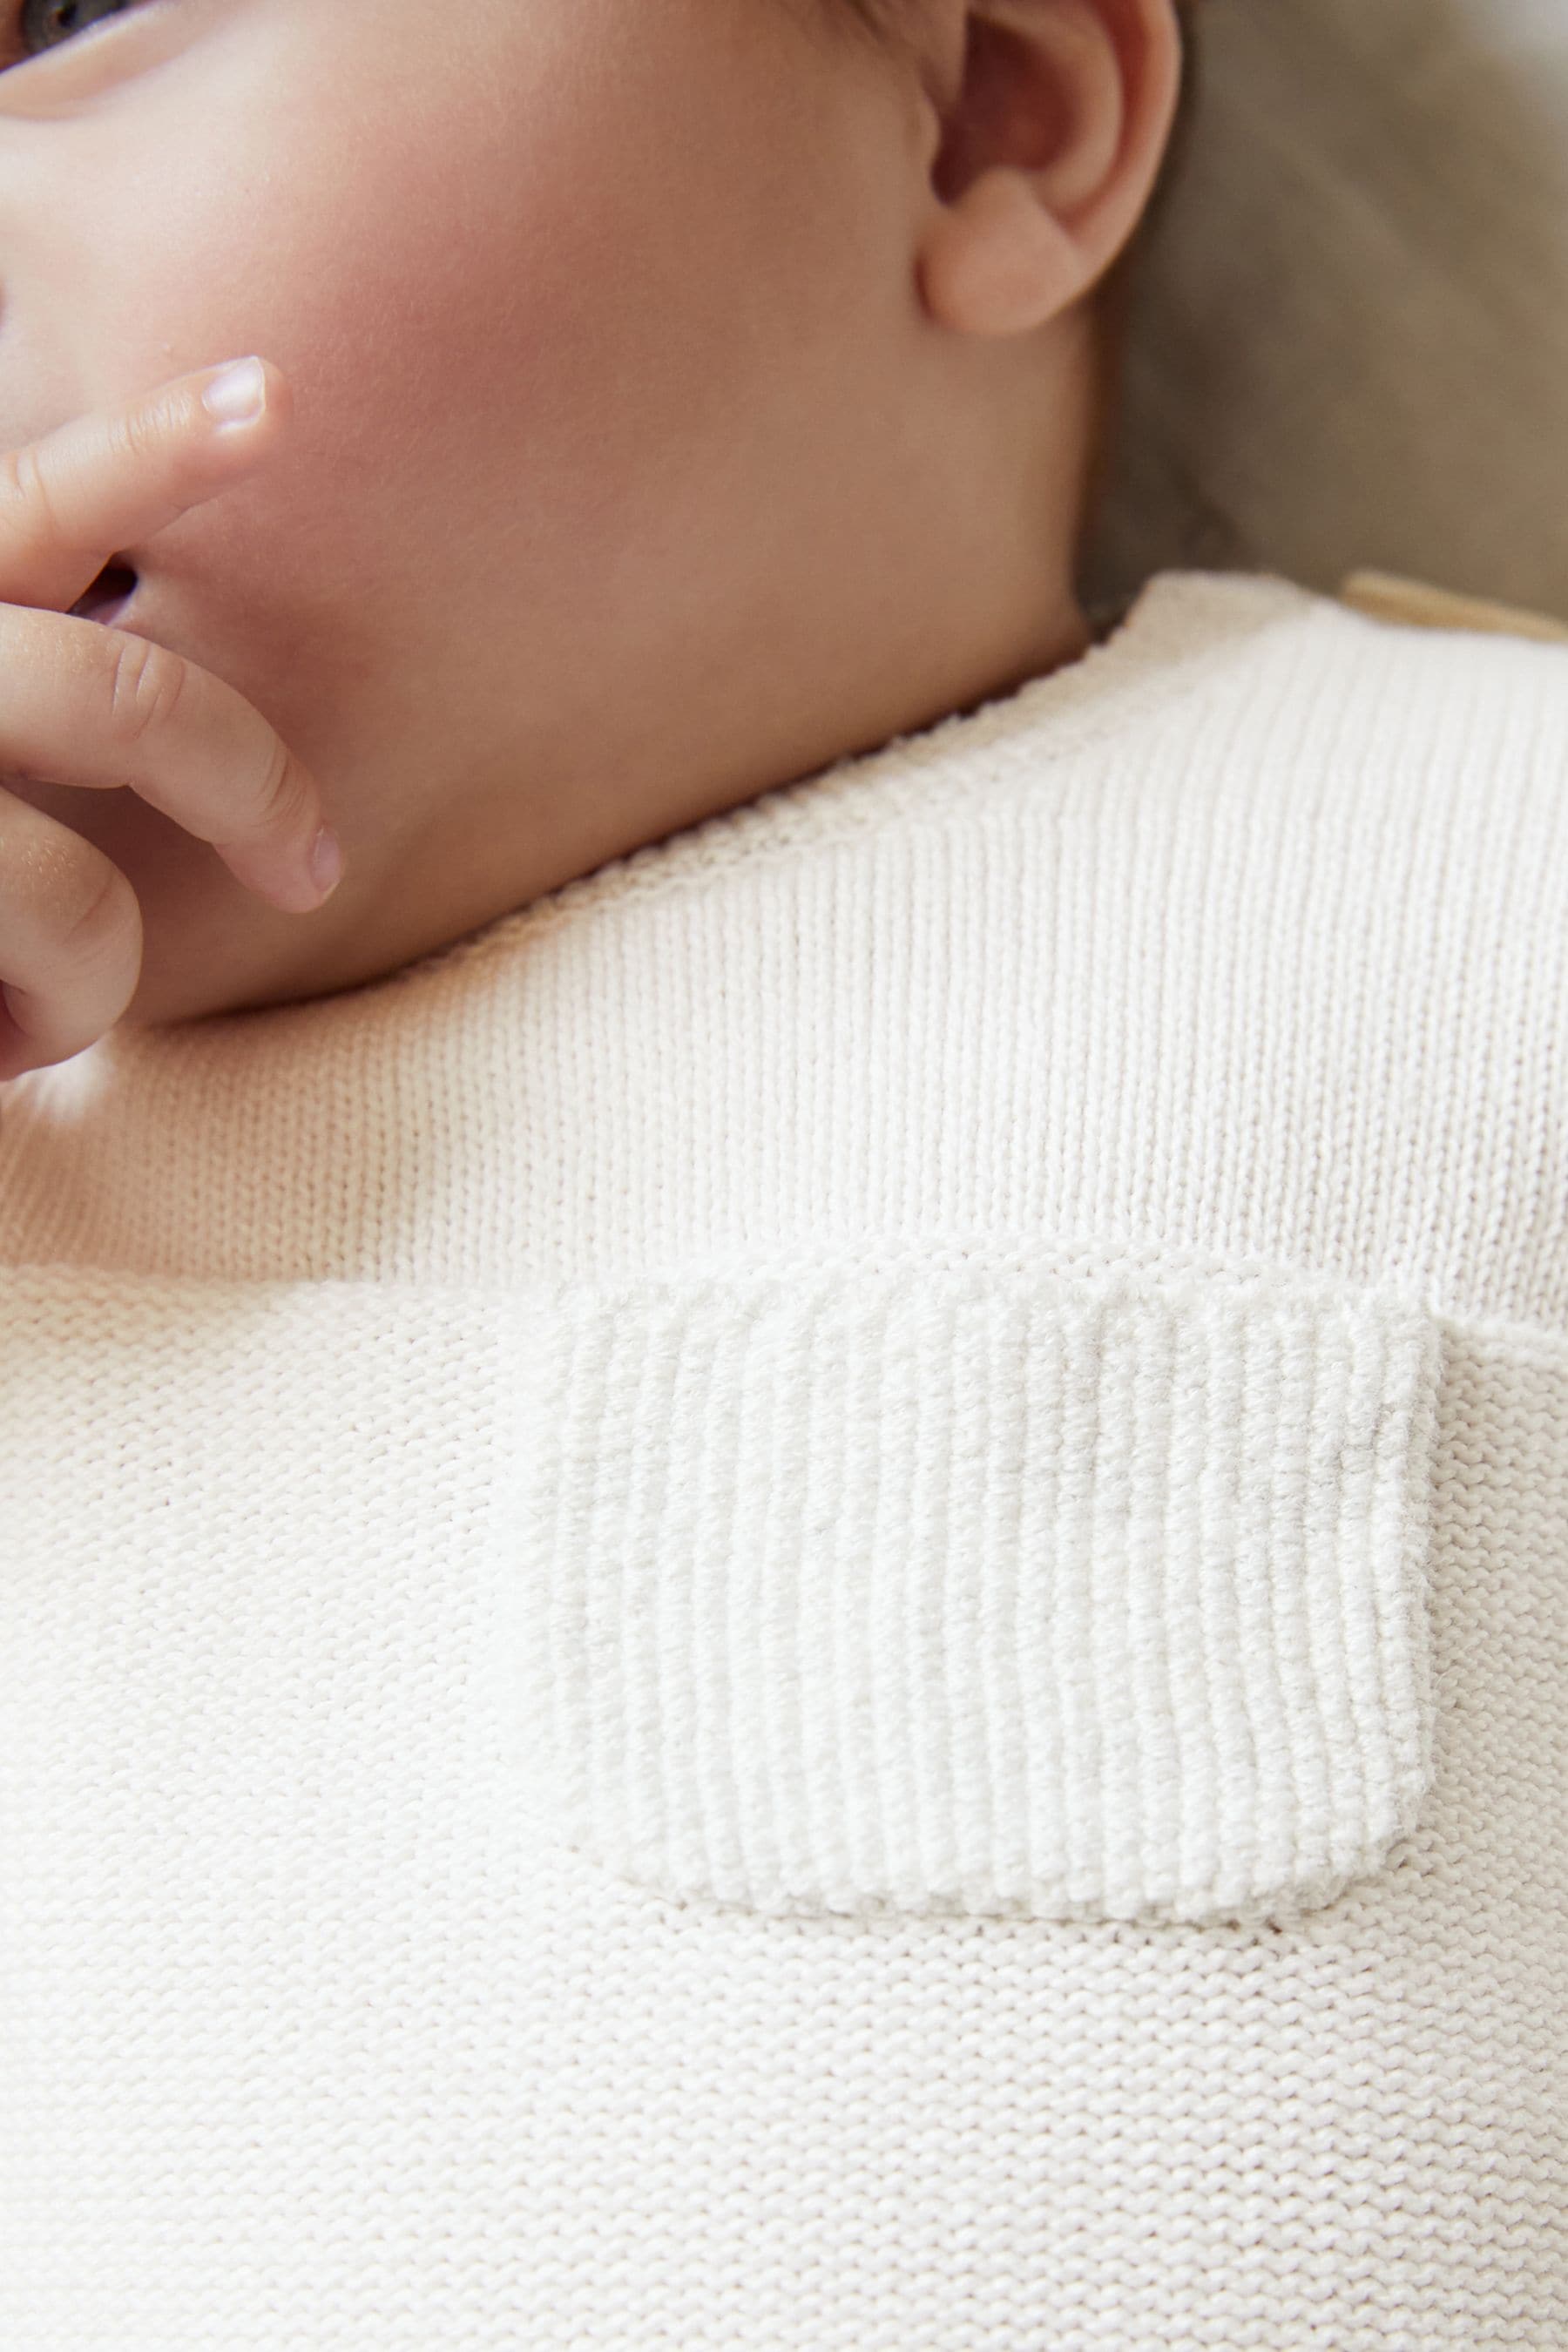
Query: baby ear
x=1051 y=141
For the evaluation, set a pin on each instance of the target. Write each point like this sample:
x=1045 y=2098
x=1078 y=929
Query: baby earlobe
x=997 y=261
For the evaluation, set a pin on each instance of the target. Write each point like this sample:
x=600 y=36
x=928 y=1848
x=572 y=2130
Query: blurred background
x=1349 y=342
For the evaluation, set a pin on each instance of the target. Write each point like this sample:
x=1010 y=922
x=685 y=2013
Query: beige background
x=1351 y=344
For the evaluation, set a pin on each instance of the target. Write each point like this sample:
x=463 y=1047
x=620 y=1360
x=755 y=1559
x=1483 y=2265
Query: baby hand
x=83 y=703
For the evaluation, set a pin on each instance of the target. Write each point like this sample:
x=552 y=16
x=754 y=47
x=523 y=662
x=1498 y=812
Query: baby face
x=595 y=315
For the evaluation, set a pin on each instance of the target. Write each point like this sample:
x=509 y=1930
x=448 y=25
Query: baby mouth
x=109 y=594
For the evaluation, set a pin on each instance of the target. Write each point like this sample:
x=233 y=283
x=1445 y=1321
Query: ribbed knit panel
x=951 y=1593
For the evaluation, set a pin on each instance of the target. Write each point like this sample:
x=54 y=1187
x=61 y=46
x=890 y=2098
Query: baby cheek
x=425 y=357
x=512 y=365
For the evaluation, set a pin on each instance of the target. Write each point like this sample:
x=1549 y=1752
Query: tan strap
x=1384 y=596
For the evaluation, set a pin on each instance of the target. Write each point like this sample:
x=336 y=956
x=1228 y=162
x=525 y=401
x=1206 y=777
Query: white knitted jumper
x=818 y=1602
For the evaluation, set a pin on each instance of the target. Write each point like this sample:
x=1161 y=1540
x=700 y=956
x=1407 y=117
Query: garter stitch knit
x=818 y=1601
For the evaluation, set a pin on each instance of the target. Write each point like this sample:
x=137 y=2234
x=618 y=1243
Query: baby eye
x=45 y=24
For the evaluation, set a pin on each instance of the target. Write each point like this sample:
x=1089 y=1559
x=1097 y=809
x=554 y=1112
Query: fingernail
x=326 y=861
x=239 y=395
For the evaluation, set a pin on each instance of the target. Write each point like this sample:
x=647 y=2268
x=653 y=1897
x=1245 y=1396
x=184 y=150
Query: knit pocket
x=1030 y=1593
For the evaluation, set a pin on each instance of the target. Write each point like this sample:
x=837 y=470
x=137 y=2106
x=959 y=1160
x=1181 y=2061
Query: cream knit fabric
x=819 y=1603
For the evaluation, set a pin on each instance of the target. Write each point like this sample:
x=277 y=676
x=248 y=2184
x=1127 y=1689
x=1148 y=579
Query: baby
x=738 y=354
x=786 y=1538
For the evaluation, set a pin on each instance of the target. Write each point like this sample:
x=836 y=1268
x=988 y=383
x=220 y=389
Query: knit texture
x=1071 y=1598
x=818 y=1602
